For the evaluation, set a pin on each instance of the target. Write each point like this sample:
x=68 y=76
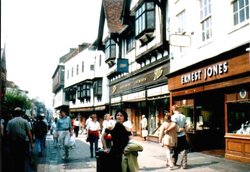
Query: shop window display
x=239 y=118
x=206 y=118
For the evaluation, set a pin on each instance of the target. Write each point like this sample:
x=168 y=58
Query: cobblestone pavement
x=150 y=159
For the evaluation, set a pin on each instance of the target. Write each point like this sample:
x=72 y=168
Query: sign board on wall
x=180 y=40
x=122 y=65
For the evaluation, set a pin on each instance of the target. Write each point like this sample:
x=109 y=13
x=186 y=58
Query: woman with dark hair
x=120 y=138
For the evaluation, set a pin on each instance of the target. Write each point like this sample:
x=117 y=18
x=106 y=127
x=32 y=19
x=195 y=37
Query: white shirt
x=93 y=126
x=180 y=120
x=107 y=124
x=144 y=123
x=76 y=123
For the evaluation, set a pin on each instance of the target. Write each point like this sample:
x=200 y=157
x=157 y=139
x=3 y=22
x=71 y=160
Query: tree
x=16 y=98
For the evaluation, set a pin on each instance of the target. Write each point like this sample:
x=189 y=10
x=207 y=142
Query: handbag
x=87 y=139
x=144 y=133
x=108 y=137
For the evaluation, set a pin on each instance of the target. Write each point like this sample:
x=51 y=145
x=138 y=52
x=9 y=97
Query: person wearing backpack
x=40 y=130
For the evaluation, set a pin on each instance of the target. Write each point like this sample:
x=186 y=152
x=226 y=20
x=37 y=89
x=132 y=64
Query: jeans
x=182 y=146
x=39 y=144
x=63 y=136
x=92 y=142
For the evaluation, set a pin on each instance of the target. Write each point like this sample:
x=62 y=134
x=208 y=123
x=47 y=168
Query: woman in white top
x=108 y=123
x=76 y=126
x=93 y=129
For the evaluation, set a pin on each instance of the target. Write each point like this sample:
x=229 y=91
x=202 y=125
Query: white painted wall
x=225 y=36
x=89 y=57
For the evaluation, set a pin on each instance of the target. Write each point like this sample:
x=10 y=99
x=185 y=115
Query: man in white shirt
x=182 y=144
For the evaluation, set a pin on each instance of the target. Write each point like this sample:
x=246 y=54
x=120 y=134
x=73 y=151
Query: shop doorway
x=210 y=123
x=205 y=120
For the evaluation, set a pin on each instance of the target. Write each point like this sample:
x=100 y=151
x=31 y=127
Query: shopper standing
x=120 y=138
x=144 y=125
x=182 y=144
x=93 y=130
x=168 y=138
x=108 y=123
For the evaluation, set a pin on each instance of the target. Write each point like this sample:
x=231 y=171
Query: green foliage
x=15 y=98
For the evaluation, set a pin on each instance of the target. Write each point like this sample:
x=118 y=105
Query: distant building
x=59 y=101
x=86 y=84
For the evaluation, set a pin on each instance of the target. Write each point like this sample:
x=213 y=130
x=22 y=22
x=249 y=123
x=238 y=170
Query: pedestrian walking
x=54 y=132
x=168 y=138
x=47 y=124
x=28 y=144
x=40 y=130
x=65 y=131
x=120 y=138
x=182 y=144
x=76 y=126
x=144 y=125
x=93 y=131
x=17 y=130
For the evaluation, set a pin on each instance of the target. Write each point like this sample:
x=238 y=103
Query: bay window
x=110 y=49
x=145 y=19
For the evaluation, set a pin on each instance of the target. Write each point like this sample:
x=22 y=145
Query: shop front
x=143 y=94
x=84 y=112
x=215 y=97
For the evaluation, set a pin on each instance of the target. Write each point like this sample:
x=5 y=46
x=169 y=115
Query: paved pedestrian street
x=150 y=159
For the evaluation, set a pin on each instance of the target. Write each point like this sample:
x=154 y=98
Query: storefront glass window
x=188 y=112
x=239 y=118
x=157 y=109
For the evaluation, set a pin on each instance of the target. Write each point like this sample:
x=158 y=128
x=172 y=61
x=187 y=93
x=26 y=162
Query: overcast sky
x=38 y=32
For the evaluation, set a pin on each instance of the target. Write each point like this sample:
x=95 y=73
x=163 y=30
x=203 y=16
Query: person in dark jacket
x=120 y=137
x=40 y=130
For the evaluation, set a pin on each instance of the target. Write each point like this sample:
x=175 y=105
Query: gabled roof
x=113 y=11
x=67 y=56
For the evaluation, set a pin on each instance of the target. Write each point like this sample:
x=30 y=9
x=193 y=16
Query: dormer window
x=145 y=21
x=110 y=50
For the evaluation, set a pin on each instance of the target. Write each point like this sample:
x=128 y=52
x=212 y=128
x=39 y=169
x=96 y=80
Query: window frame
x=142 y=18
x=110 y=49
x=238 y=11
x=206 y=19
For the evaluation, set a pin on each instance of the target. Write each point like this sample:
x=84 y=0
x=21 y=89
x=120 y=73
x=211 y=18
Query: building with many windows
x=210 y=73
x=133 y=36
x=59 y=101
x=159 y=53
x=86 y=85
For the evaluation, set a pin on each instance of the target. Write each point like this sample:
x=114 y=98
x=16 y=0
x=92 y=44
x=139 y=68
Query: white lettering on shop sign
x=217 y=69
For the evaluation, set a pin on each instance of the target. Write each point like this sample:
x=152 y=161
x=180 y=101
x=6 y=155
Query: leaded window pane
x=150 y=20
